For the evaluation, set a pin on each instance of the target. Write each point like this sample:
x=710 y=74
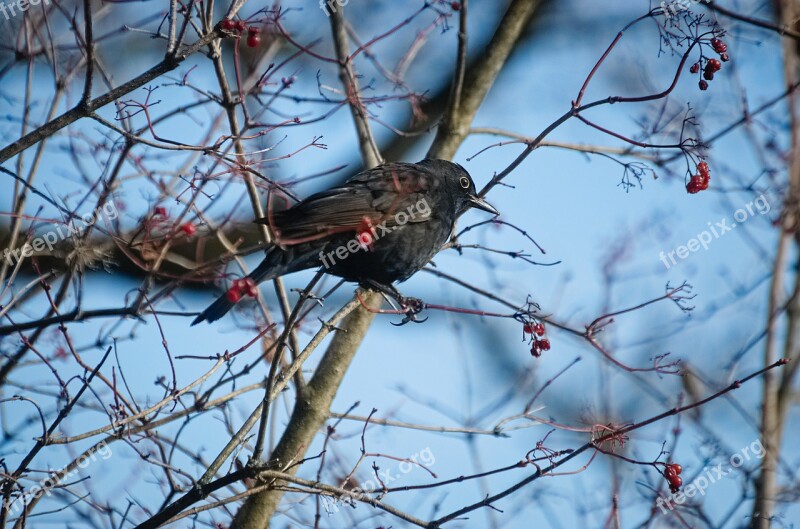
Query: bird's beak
x=478 y=202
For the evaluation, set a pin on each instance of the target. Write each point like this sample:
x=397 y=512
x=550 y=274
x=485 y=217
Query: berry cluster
x=538 y=344
x=712 y=65
x=699 y=181
x=672 y=475
x=239 y=26
x=244 y=286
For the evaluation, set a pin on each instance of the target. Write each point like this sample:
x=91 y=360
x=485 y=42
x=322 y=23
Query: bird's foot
x=411 y=307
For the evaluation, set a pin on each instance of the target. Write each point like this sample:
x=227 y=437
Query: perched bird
x=380 y=226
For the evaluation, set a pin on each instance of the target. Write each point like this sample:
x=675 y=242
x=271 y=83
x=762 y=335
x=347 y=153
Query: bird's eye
x=464 y=182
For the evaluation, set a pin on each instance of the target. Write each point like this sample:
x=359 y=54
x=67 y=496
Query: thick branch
x=775 y=399
x=310 y=413
x=479 y=80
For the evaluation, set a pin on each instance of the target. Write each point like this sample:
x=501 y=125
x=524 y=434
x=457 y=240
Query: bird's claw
x=411 y=307
x=408 y=318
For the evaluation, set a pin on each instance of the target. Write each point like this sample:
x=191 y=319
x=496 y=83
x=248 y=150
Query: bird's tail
x=215 y=311
x=269 y=268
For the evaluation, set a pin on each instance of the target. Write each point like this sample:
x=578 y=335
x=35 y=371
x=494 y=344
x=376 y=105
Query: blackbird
x=380 y=226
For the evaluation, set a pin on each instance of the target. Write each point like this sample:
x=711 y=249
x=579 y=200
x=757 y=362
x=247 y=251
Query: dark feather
x=377 y=194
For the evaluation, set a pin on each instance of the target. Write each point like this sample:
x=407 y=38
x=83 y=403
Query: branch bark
x=454 y=126
x=777 y=393
x=309 y=414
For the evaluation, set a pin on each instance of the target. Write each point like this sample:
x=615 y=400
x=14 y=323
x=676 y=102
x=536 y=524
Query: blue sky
x=447 y=370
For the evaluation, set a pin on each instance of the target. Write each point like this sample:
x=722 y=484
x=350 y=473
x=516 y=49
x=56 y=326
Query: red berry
x=671 y=471
x=708 y=75
x=233 y=294
x=160 y=212
x=703 y=85
x=713 y=65
x=253 y=40
x=695 y=68
x=719 y=46
x=364 y=239
x=695 y=185
x=544 y=343
x=536 y=350
x=702 y=168
x=455 y=6
x=539 y=329
x=365 y=234
x=228 y=24
x=240 y=26
x=189 y=229
x=527 y=328
x=724 y=57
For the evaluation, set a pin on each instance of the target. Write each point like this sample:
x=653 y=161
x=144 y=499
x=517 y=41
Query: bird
x=377 y=228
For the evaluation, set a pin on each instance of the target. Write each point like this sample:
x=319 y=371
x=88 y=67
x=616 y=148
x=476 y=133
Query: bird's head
x=461 y=186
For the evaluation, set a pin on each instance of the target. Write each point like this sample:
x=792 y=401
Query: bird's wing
x=374 y=197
